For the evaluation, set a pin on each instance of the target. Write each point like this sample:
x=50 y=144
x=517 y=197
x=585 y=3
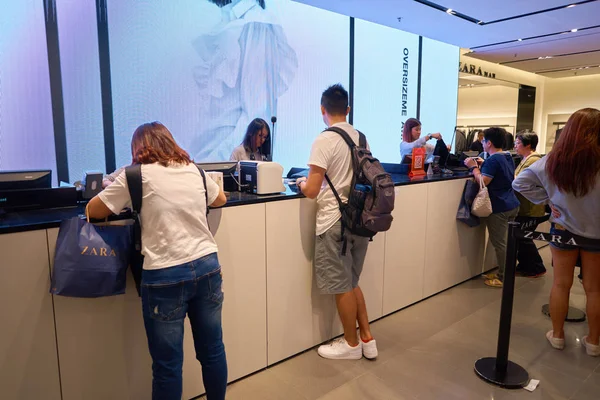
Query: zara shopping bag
x=464 y=214
x=482 y=205
x=90 y=260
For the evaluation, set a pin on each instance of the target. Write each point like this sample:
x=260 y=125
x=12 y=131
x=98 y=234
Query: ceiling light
x=573 y=30
x=449 y=11
x=520 y=40
x=571 y=5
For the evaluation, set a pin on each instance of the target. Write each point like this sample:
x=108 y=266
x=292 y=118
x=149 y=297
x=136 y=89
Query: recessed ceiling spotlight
x=573 y=30
x=520 y=40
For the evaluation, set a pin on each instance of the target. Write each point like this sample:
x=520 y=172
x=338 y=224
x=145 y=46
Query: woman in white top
x=256 y=145
x=181 y=274
x=411 y=139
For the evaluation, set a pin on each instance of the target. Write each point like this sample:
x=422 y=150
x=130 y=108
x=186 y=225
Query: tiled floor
x=427 y=351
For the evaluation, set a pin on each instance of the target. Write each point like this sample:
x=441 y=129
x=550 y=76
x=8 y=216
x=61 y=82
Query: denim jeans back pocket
x=164 y=302
x=215 y=287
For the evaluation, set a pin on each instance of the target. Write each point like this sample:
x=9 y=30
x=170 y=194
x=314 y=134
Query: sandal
x=497 y=283
x=491 y=276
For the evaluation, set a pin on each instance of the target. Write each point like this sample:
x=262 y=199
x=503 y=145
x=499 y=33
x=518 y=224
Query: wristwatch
x=430 y=137
x=472 y=169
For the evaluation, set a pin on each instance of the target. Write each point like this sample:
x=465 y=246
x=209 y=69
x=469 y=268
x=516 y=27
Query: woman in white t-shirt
x=181 y=274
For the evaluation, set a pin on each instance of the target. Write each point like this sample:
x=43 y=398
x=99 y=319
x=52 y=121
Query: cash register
x=32 y=190
x=261 y=177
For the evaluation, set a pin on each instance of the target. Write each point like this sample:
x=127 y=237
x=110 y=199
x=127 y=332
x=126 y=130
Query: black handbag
x=464 y=208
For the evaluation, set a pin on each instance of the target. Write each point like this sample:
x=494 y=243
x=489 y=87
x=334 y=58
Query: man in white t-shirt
x=338 y=273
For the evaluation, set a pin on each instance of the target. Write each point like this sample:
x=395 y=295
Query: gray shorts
x=335 y=273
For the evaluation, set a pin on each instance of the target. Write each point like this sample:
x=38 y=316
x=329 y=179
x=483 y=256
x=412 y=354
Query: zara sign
x=474 y=70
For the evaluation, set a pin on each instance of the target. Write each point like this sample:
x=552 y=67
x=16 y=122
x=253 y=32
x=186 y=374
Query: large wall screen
x=439 y=88
x=206 y=69
x=386 y=74
x=26 y=130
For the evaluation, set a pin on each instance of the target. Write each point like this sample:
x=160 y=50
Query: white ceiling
x=497 y=41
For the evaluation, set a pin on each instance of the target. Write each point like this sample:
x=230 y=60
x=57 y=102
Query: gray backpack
x=371 y=198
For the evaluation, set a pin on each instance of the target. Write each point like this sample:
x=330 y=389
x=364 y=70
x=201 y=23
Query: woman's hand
x=470 y=162
x=436 y=135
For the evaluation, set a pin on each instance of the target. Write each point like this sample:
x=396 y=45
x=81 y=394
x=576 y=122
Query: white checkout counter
x=95 y=349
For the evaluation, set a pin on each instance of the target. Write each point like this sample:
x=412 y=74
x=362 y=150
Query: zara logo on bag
x=546 y=237
x=101 y=252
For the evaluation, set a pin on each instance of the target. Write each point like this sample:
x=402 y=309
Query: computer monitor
x=226 y=167
x=18 y=180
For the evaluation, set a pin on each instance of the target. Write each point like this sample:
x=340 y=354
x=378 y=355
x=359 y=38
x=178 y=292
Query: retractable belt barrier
x=499 y=370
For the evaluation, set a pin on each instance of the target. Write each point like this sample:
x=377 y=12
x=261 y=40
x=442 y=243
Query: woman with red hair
x=569 y=179
x=181 y=273
x=411 y=139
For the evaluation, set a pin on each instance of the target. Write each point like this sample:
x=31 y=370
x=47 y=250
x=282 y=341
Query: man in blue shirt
x=497 y=173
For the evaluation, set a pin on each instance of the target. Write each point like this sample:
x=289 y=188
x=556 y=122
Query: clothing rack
x=470 y=138
x=486 y=126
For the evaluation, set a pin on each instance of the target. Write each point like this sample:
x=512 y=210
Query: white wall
x=564 y=96
x=567 y=95
x=487 y=105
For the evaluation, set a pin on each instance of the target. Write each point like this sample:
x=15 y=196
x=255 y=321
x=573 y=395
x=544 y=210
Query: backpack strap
x=337 y=196
x=133 y=174
x=203 y=175
x=362 y=140
x=205 y=192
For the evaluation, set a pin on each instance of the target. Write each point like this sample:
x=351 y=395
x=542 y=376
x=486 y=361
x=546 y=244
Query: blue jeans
x=168 y=295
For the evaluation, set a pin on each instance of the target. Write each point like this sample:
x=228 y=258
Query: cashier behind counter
x=411 y=139
x=256 y=145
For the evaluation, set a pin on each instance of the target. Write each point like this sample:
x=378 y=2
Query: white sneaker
x=557 y=343
x=339 y=349
x=369 y=349
x=592 y=349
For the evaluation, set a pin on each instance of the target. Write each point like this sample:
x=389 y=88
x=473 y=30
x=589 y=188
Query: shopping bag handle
x=87 y=214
